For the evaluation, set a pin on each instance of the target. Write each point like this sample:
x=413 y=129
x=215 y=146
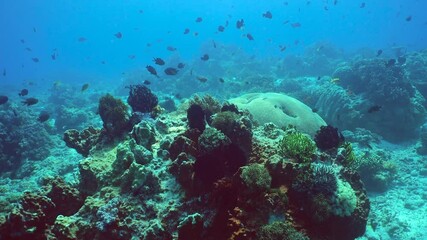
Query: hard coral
x=82 y=141
x=114 y=115
x=141 y=99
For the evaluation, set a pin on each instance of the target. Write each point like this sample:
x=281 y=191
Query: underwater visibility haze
x=224 y=119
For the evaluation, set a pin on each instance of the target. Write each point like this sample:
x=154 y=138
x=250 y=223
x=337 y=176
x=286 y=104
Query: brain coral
x=280 y=109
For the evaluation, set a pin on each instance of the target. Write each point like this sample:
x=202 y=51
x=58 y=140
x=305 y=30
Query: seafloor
x=325 y=145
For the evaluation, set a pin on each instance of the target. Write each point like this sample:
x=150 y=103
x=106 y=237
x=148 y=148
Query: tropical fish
x=132 y=56
x=30 y=101
x=43 y=117
x=159 y=61
x=3 y=99
x=4 y=72
x=118 y=35
x=379 y=52
x=36 y=60
x=82 y=39
x=28 y=49
x=296 y=25
x=240 y=24
x=267 y=15
x=181 y=65
x=221 y=80
x=363 y=5
x=85 y=87
x=205 y=57
x=335 y=80
x=202 y=79
x=24 y=92
x=408 y=18
x=199 y=19
x=186 y=31
x=171 y=71
x=152 y=70
x=221 y=28
x=170 y=48
x=146 y=82
x=250 y=37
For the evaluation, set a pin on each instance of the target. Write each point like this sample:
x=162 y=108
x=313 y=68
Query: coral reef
x=328 y=138
x=114 y=115
x=37 y=211
x=82 y=141
x=196 y=117
x=141 y=99
x=281 y=110
x=297 y=146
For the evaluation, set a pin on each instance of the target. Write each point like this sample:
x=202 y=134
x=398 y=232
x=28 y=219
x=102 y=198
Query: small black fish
x=379 y=52
x=34 y=29
x=159 y=61
x=374 y=108
x=202 y=79
x=335 y=2
x=118 y=35
x=318 y=78
x=170 y=48
x=326 y=8
x=178 y=96
x=363 y=5
x=22 y=41
x=221 y=80
x=186 y=31
x=30 y=101
x=4 y=72
x=171 y=71
x=205 y=57
x=214 y=44
x=81 y=39
x=152 y=70
x=199 y=19
x=146 y=82
x=53 y=56
x=250 y=37
x=181 y=65
x=401 y=60
x=314 y=110
x=3 y=100
x=36 y=60
x=221 y=28
x=390 y=63
x=240 y=24
x=85 y=87
x=28 y=49
x=24 y=92
x=408 y=18
x=43 y=117
x=267 y=15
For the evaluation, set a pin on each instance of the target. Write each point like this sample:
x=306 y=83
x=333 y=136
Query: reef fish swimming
x=24 y=92
x=171 y=71
x=152 y=70
x=30 y=101
x=43 y=117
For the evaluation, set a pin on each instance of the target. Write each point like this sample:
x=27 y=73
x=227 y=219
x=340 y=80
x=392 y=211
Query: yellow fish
x=335 y=80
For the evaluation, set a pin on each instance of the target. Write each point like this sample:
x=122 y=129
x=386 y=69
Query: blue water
x=49 y=25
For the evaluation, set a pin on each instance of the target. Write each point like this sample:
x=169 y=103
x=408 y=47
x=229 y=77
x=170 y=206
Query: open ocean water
x=224 y=119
